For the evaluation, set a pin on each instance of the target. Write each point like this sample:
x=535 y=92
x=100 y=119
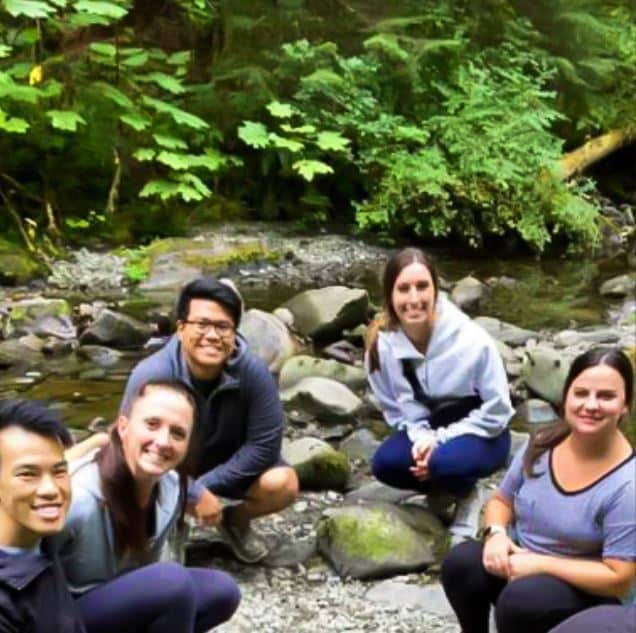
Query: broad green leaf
x=107 y=9
x=179 y=116
x=179 y=58
x=286 y=143
x=280 y=110
x=29 y=8
x=115 y=95
x=13 y=124
x=135 y=61
x=303 y=129
x=104 y=48
x=254 y=134
x=80 y=20
x=5 y=51
x=135 y=120
x=165 y=189
x=165 y=81
x=197 y=183
x=144 y=154
x=332 y=141
x=309 y=168
x=184 y=162
x=65 y=119
x=170 y=142
x=15 y=92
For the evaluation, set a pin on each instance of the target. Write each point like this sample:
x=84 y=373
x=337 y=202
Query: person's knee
x=519 y=604
x=279 y=485
x=227 y=597
x=385 y=467
x=461 y=564
x=173 y=586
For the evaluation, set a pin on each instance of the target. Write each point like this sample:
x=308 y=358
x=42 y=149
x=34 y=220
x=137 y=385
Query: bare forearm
x=597 y=577
x=498 y=511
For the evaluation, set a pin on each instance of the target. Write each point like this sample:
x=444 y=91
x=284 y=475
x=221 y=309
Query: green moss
x=16 y=266
x=329 y=470
x=370 y=536
x=244 y=254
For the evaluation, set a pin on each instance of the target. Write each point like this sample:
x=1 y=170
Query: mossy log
x=592 y=151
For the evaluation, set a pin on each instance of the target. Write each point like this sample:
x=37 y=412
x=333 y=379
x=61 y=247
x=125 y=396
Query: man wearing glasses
x=236 y=447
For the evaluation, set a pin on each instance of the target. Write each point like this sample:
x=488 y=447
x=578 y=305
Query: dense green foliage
x=434 y=119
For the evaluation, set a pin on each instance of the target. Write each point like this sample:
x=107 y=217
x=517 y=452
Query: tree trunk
x=578 y=160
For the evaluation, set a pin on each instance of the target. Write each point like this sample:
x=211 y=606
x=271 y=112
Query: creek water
x=550 y=294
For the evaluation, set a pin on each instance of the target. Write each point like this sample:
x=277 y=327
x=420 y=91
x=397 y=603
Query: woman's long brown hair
x=389 y=319
x=550 y=437
x=128 y=519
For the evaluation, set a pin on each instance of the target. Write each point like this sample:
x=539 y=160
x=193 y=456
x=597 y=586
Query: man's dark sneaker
x=248 y=546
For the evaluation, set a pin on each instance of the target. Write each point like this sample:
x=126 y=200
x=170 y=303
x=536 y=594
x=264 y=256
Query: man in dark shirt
x=35 y=494
x=240 y=417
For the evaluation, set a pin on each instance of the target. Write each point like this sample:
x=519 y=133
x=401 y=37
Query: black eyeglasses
x=221 y=328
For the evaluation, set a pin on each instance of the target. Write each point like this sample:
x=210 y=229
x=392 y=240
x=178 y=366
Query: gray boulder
x=326 y=312
x=544 y=371
x=505 y=332
x=23 y=316
x=379 y=540
x=361 y=444
x=116 y=330
x=318 y=465
x=397 y=593
x=619 y=287
x=268 y=337
x=467 y=293
x=535 y=411
x=377 y=491
x=591 y=336
x=299 y=367
x=102 y=356
x=326 y=399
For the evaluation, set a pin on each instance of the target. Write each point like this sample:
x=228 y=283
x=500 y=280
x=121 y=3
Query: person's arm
x=496 y=410
x=86 y=446
x=264 y=433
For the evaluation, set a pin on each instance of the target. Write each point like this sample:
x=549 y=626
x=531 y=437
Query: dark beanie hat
x=222 y=291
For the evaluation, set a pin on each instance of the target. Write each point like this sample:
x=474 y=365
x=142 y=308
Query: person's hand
x=207 y=510
x=525 y=564
x=421 y=452
x=498 y=550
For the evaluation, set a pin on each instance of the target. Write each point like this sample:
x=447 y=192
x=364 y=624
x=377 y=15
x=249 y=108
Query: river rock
x=116 y=330
x=26 y=349
x=361 y=444
x=102 y=356
x=398 y=594
x=318 y=465
x=544 y=372
x=23 y=316
x=505 y=332
x=624 y=314
x=467 y=293
x=299 y=367
x=619 y=287
x=326 y=312
x=16 y=266
x=268 y=338
x=326 y=399
x=379 y=540
x=60 y=327
x=375 y=490
x=592 y=336
x=535 y=411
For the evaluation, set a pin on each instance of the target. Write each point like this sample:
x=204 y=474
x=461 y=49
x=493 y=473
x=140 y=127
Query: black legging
x=531 y=604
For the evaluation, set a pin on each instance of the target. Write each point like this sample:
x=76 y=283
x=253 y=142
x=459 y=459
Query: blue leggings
x=160 y=598
x=455 y=466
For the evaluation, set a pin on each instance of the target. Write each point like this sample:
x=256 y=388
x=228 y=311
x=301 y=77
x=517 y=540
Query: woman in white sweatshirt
x=441 y=385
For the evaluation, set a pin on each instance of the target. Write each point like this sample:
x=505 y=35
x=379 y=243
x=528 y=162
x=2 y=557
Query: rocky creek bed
x=350 y=554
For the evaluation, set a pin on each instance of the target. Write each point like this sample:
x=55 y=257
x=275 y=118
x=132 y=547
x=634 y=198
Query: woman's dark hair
x=222 y=291
x=396 y=264
x=129 y=520
x=556 y=433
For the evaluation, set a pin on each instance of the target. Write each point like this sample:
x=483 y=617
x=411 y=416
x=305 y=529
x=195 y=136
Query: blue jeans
x=455 y=466
x=160 y=598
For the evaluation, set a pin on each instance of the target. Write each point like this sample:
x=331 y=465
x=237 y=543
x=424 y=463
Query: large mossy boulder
x=16 y=265
x=268 y=337
x=116 y=330
x=379 y=540
x=302 y=366
x=324 y=313
x=326 y=399
x=318 y=465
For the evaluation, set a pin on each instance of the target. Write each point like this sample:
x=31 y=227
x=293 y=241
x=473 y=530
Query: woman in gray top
x=571 y=497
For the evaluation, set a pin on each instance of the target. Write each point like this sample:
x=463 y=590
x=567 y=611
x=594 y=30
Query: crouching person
x=35 y=493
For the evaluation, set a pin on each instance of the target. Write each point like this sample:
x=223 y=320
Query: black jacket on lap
x=34 y=597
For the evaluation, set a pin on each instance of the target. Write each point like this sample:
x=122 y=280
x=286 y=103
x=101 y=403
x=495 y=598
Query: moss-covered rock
x=23 y=316
x=544 y=371
x=317 y=464
x=302 y=366
x=16 y=265
x=378 y=540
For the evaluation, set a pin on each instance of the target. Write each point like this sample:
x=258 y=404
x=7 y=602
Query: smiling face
x=413 y=297
x=156 y=433
x=595 y=401
x=207 y=348
x=35 y=489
